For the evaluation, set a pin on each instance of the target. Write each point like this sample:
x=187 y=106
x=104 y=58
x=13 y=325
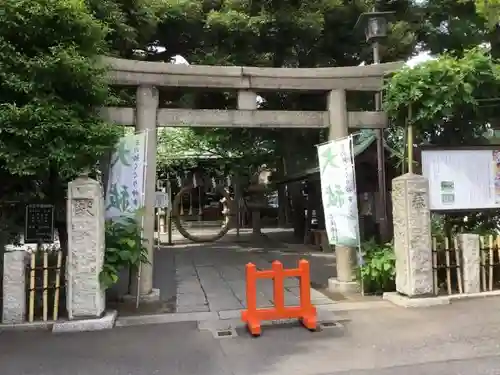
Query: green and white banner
x=338 y=192
x=127 y=173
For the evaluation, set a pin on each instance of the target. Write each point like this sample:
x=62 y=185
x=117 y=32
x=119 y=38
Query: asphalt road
x=462 y=338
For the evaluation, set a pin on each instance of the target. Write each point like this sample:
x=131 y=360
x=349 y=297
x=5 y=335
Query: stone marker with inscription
x=85 y=210
x=412 y=235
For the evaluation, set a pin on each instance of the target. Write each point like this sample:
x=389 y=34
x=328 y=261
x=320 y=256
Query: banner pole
x=360 y=254
x=143 y=198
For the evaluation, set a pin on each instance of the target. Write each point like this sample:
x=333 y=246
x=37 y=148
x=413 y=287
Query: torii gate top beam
x=160 y=74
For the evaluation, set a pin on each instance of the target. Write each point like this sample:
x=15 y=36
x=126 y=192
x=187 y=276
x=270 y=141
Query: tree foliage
x=51 y=86
x=181 y=148
x=447 y=96
x=490 y=10
x=450 y=26
x=306 y=34
x=131 y=24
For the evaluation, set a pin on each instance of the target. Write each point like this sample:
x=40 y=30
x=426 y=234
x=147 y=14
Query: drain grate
x=225 y=333
x=328 y=324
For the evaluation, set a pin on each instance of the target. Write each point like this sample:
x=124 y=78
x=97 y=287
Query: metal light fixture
x=375 y=25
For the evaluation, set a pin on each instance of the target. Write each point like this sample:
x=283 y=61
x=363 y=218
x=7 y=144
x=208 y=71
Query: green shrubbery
x=124 y=249
x=379 y=269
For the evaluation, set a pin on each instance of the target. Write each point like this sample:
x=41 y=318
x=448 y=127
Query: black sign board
x=39 y=226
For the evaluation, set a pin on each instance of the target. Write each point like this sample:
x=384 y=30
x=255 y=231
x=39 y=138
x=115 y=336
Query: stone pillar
x=471 y=262
x=85 y=217
x=14 y=285
x=345 y=256
x=247 y=100
x=146 y=113
x=412 y=235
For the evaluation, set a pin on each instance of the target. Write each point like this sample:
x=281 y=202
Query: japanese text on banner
x=125 y=190
x=338 y=192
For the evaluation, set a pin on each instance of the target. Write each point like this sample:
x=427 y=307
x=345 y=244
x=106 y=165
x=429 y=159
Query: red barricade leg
x=278 y=287
x=249 y=316
x=308 y=310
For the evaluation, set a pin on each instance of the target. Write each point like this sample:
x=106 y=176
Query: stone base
x=404 y=301
x=85 y=325
x=344 y=287
x=26 y=326
x=154 y=296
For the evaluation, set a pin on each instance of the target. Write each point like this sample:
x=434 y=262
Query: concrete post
x=247 y=100
x=412 y=235
x=146 y=113
x=14 y=285
x=471 y=262
x=85 y=217
x=345 y=256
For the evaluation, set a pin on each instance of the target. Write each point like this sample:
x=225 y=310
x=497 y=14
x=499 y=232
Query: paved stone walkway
x=212 y=278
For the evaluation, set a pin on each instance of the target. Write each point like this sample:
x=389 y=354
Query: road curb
x=112 y=319
x=86 y=325
x=127 y=321
x=83 y=325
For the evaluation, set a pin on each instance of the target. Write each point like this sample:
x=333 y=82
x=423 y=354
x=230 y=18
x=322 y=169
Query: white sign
x=338 y=191
x=125 y=190
x=462 y=179
x=162 y=200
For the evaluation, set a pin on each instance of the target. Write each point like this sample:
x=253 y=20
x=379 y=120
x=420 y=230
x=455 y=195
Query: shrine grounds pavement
x=461 y=338
x=210 y=277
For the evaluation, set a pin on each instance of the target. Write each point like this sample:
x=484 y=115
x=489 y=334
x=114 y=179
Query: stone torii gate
x=247 y=81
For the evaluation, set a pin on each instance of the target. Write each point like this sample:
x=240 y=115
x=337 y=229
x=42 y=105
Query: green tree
x=273 y=34
x=489 y=10
x=447 y=97
x=450 y=26
x=131 y=23
x=51 y=86
x=306 y=34
x=450 y=100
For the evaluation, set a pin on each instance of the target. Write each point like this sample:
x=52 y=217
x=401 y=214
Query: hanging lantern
x=375 y=25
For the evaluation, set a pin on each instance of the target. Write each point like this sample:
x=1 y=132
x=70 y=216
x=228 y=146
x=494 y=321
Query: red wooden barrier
x=305 y=312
